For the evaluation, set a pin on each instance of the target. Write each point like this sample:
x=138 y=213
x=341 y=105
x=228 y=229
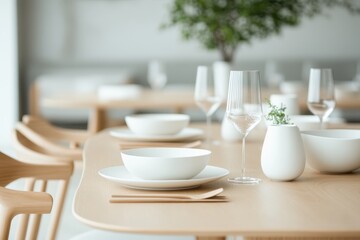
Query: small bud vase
x=283 y=156
x=229 y=132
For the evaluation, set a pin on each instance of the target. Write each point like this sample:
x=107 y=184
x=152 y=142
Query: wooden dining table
x=175 y=99
x=315 y=205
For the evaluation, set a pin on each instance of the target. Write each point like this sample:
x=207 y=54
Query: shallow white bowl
x=348 y=89
x=292 y=87
x=311 y=122
x=157 y=124
x=165 y=163
x=118 y=92
x=332 y=151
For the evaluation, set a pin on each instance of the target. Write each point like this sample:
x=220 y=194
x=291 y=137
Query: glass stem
x=243 y=158
x=321 y=122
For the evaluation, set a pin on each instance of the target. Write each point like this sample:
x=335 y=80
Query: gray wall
x=62 y=35
x=128 y=30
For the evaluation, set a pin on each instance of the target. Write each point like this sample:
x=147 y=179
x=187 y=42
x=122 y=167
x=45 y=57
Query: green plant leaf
x=225 y=24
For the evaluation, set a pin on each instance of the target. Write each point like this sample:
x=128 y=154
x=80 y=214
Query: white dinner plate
x=120 y=175
x=185 y=134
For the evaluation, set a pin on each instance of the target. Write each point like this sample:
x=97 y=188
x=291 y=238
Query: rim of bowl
x=133 y=152
x=159 y=117
x=328 y=134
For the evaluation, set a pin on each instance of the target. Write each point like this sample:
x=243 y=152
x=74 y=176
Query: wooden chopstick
x=131 y=144
x=166 y=200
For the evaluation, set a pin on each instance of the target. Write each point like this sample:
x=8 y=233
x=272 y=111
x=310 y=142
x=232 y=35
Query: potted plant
x=282 y=155
x=226 y=24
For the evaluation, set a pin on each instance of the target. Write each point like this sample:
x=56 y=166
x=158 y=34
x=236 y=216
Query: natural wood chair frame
x=39 y=139
x=30 y=153
x=53 y=140
x=14 y=202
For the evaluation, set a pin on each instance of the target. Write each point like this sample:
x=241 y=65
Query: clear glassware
x=321 y=100
x=206 y=98
x=156 y=75
x=244 y=110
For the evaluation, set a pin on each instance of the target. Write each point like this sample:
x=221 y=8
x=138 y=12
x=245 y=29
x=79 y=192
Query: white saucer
x=186 y=134
x=121 y=175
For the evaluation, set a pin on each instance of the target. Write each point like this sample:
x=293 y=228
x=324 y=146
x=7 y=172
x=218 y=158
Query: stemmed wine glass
x=321 y=101
x=156 y=75
x=244 y=110
x=206 y=98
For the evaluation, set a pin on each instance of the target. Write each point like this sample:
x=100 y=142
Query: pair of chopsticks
x=136 y=144
x=210 y=196
x=166 y=200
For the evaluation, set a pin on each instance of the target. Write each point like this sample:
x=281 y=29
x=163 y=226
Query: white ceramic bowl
x=118 y=92
x=332 y=151
x=292 y=87
x=157 y=124
x=347 y=89
x=165 y=163
x=311 y=122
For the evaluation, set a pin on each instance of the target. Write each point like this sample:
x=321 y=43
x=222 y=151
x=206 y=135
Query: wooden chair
x=37 y=137
x=30 y=153
x=14 y=202
x=53 y=140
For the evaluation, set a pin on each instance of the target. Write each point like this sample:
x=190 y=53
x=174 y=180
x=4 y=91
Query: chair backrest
x=50 y=131
x=14 y=202
x=53 y=140
x=57 y=168
x=30 y=152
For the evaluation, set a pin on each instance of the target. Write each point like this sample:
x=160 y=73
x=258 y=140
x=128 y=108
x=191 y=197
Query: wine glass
x=244 y=110
x=321 y=101
x=206 y=98
x=156 y=75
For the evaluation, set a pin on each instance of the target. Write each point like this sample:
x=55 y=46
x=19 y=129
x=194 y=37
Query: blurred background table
x=174 y=99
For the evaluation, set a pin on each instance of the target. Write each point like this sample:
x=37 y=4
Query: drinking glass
x=321 y=101
x=156 y=75
x=206 y=98
x=244 y=110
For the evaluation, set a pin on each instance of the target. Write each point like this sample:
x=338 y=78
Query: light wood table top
x=315 y=205
x=175 y=99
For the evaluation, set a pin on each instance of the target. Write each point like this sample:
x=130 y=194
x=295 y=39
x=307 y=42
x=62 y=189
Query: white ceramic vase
x=229 y=132
x=283 y=156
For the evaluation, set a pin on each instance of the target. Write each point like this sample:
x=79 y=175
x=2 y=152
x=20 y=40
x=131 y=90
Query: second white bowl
x=312 y=122
x=332 y=151
x=165 y=163
x=157 y=124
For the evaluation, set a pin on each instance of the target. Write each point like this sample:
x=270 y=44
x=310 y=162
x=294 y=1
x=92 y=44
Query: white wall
x=8 y=71
x=128 y=30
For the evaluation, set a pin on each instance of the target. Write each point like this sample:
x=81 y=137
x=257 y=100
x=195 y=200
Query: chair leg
x=57 y=208
x=36 y=218
x=5 y=223
x=97 y=120
x=24 y=218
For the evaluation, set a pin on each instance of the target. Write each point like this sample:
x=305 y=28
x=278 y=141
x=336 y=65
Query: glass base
x=244 y=180
x=212 y=143
x=215 y=142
